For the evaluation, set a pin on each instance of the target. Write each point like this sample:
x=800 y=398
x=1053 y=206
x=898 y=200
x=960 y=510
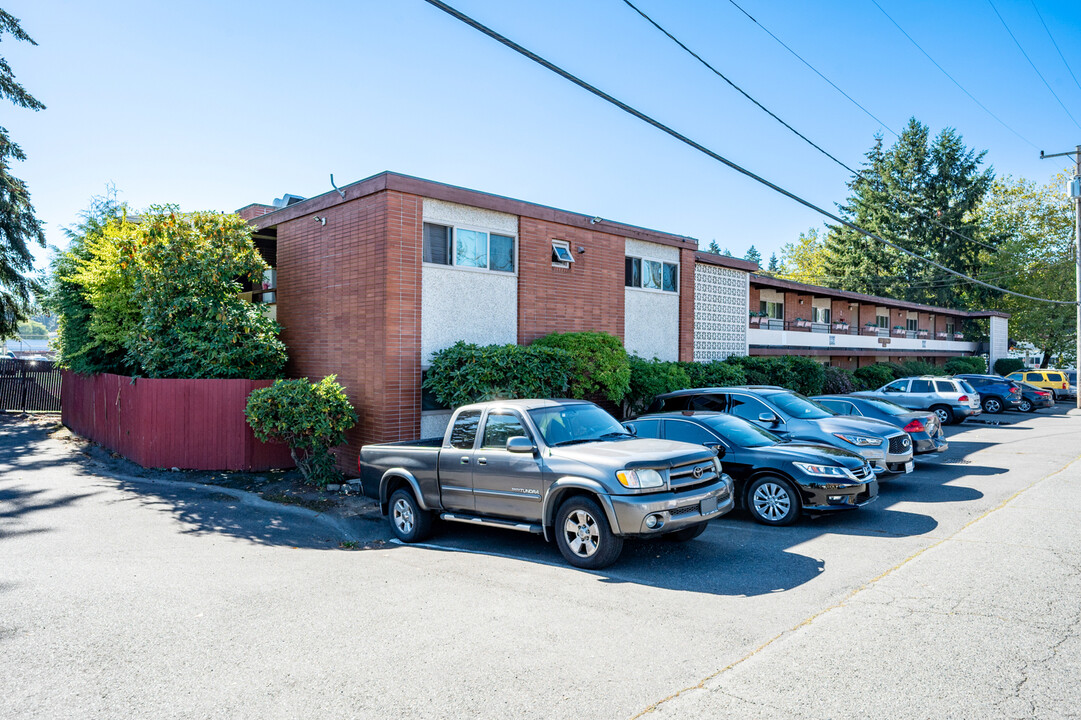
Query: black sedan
x=776 y=479
x=921 y=425
x=1033 y=397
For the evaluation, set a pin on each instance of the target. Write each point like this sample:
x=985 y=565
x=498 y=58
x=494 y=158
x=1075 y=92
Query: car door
x=897 y=391
x=921 y=394
x=752 y=409
x=506 y=484
x=456 y=462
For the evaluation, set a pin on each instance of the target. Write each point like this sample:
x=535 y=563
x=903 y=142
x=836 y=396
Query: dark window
x=632 y=272
x=501 y=253
x=647 y=428
x=976 y=382
x=465 y=430
x=708 y=402
x=671 y=278
x=839 y=406
x=688 y=432
x=1055 y=377
x=944 y=386
x=501 y=426
x=913 y=324
x=748 y=408
x=436 y=244
x=921 y=386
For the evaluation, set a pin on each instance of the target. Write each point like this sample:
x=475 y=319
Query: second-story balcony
x=807 y=334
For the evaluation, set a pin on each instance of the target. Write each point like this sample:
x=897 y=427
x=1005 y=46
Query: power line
x=952 y=79
x=703 y=149
x=813 y=68
x=1037 y=70
x=803 y=137
x=1048 y=30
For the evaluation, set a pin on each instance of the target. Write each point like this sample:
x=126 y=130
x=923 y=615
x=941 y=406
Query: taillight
x=1041 y=393
x=963 y=398
x=915 y=426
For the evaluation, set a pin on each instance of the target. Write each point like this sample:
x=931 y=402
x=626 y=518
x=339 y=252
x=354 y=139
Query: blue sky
x=220 y=104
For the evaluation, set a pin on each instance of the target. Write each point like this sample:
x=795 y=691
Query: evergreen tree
x=753 y=255
x=714 y=247
x=18 y=225
x=774 y=266
x=897 y=194
x=726 y=253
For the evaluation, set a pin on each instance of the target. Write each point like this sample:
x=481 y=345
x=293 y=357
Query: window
x=713 y=403
x=897 y=386
x=1055 y=377
x=561 y=253
x=1033 y=377
x=821 y=315
x=683 y=431
x=945 y=386
x=499 y=427
x=470 y=248
x=883 y=321
x=773 y=310
x=921 y=386
x=748 y=408
x=949 y=328
x=465 y=430
x=647 y=428
x=912 y=324
x=651 y=274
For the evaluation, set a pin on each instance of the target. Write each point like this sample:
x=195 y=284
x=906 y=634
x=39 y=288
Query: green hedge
x=465 y=373
x=1005 y=366
x=650 y=378
x=838 y=381
x=961 y=365
x=874 y=376
x=801 y=374
x=601 y=367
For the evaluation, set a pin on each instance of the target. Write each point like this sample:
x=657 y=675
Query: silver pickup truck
x=565 y=469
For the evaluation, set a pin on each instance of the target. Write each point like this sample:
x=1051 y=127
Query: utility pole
x=1074 y=190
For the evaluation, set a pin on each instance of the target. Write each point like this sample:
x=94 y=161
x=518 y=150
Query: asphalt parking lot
x=956 y=594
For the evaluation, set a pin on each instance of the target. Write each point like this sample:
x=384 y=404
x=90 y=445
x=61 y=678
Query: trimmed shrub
x=801 y=374
x=600 y=363
x=465 y=373
x=1005 y=366
x=874 y=376
x=716 y=373
x=962 y=365
x=650 y=378
x=310 y=418
x=917 y=367
x=838 y=381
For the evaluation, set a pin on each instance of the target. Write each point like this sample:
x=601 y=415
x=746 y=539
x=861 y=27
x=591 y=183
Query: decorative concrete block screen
x=187 y=424
x=720 y=312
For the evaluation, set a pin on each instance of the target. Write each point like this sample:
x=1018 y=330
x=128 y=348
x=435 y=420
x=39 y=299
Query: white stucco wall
x=477 y=306
x=720 y=312
x=999 y=340
x=651 y=317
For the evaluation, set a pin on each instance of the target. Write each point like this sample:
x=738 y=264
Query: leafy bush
x=716 y=373
x=838 y=381
x=963 y=365
x=1005 y=366
x=874 y=376
x=465 y=373
x=600 y=363
x=650 y=378
x=918 y=367
x=801 y=374
x=309 y=417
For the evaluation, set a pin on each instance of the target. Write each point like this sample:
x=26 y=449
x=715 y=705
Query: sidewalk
x=984 y=624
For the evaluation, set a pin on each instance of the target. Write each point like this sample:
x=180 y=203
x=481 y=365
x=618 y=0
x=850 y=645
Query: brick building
x=369 y=282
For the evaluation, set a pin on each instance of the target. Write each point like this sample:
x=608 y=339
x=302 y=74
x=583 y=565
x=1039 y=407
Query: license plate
x=909 y=466
x=709 y=505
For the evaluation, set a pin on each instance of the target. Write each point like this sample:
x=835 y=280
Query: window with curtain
x=465 y=247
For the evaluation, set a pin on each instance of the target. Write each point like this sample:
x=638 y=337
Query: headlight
x=861 y=440
x=636 y=479
x=823 y=470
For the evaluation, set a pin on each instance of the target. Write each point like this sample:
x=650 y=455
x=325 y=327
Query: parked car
x=923 y=427
x=1033 y=397
x=1054 y=380
x=1071 y=377
x=953 y=400
x=776 y=480
x=996 y=392
x=564 y=469
x=795 y=417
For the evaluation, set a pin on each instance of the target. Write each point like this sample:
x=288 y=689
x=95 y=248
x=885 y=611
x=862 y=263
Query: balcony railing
x=837 y=328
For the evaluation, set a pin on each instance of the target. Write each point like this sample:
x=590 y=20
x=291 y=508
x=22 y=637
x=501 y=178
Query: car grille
x=900 y=444
x=683 y=475
x=686 y=510
x=863 y=473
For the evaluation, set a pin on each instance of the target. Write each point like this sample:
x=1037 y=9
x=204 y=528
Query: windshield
x=741 y=433
x=579 y=423
x=800 y=407
x=890 y=408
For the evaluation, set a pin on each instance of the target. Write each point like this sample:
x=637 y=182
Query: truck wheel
x=687 y=533
x=584 y=536
x=408 y=522
x=773 y=501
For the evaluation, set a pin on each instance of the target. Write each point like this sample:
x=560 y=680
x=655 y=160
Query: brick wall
x=250 y=212
x=586 y=296
x=686 y=305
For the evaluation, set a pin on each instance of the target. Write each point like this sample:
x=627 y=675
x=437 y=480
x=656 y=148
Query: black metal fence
x=29 y=385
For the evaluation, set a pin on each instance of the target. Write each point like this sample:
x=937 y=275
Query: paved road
x=956 y=595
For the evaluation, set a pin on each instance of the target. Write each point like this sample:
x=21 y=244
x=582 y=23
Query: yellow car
x=1053 y=380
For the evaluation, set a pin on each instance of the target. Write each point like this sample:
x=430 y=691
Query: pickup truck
x=564 y=469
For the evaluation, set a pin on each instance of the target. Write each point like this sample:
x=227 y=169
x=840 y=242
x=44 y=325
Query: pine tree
x=896 y=195
x=726 y=253
x=18 y=224
x=774 y=266
x=714 y=247
x=753 y=255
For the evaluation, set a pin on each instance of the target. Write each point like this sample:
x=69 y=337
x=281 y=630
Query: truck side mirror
x=717 y=448
x=520 y=444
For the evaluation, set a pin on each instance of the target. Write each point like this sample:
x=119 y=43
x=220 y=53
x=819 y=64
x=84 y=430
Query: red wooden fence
x=188 y=424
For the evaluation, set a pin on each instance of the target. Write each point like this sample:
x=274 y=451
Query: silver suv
x=952 y=399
